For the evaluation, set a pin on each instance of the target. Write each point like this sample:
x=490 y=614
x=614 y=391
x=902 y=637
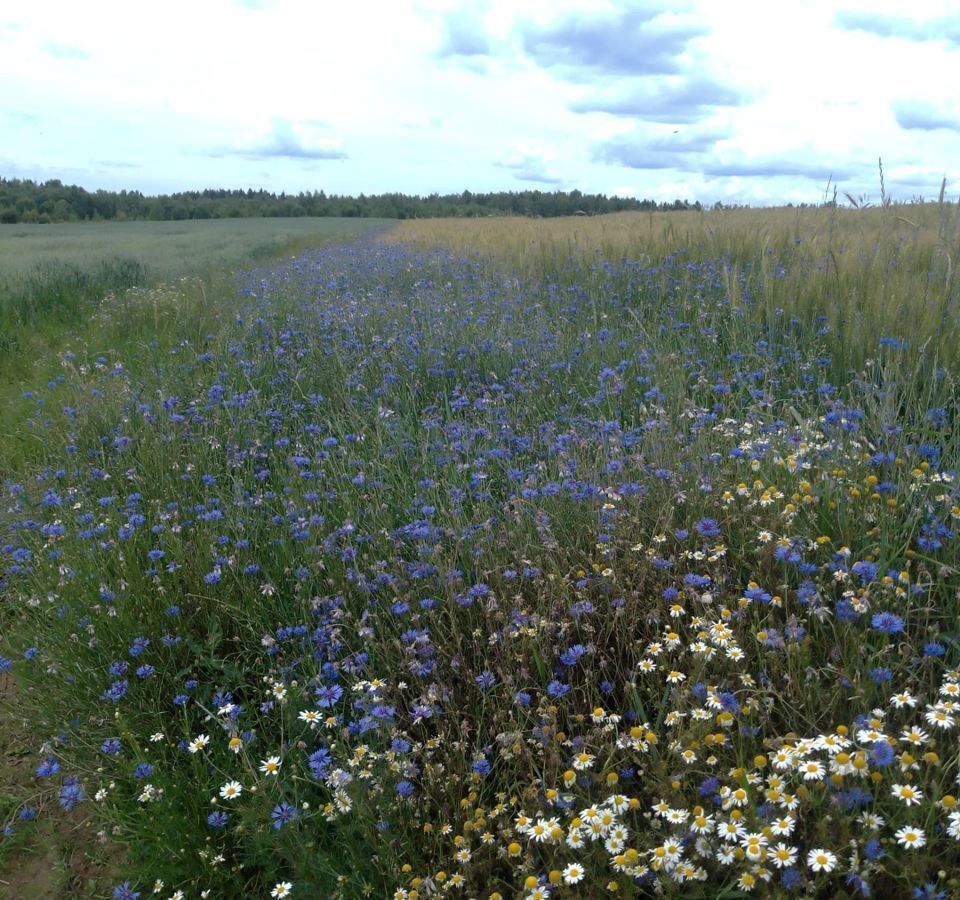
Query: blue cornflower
x=143 y=770
x=572 y=655
x=125 y=892
x=729 y=702
x=218 y=819
x=873 y=850
x=71 y=793
x=283 y=813
x=929 y=891
x=48 y=767
x=881 y=754
x=557 y=688
x=866 y=571
x=791 y=879
x=328 y=695
x=405 y=788
x=481 y=767
x=881 y=674
x=887 y=623
x=707 y=527
x=858 y=884
x=116 y=691
x=485 y=679
x=934 y=648
x=708 y=786
x=112 y=747
x=523 y=698
x=320 y=762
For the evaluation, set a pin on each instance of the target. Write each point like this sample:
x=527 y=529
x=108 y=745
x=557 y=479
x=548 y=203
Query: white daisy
x=821 y=860
x=911 y=837
x=231 y=790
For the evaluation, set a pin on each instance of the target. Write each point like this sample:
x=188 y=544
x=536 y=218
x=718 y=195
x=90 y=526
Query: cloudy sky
x=754 y=101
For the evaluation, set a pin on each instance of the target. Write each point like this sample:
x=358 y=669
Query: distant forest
x=24 y=201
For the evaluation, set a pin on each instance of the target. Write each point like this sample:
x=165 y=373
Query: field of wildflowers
x=424 y=575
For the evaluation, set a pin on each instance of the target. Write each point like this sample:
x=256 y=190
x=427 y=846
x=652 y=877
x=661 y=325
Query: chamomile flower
x=903 y=699
x=783 y=826
x=782 y=855
x=270 y=765
x=914 y=735
x=573 y=873
x=953 y=825
x=812 y=770
x=939 y=718
x=231 y=790
x=821 y=860
x=540 y=831
x=701 y=823
x=911 y=837
x=731 y=830
x=198 y=743
x=754 y=846
x=583 y=761
x=311 y=716
x=619 y=803
x=907 y=794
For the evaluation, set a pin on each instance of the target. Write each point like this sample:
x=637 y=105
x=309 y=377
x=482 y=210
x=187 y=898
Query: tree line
x=25 y=201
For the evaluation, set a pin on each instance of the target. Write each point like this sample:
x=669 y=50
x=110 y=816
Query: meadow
x=506 y=558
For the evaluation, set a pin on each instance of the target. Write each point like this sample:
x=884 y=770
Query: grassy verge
x=67 y=307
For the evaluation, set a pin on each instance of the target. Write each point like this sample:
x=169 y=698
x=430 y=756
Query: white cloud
x=160 y=89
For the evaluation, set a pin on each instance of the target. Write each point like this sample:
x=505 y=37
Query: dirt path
x=58 y=855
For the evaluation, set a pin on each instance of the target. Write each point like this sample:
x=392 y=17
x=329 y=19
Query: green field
x=50 y=274
x=168 y=249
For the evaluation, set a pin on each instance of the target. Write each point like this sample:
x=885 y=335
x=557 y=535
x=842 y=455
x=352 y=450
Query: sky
x=742 y=101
